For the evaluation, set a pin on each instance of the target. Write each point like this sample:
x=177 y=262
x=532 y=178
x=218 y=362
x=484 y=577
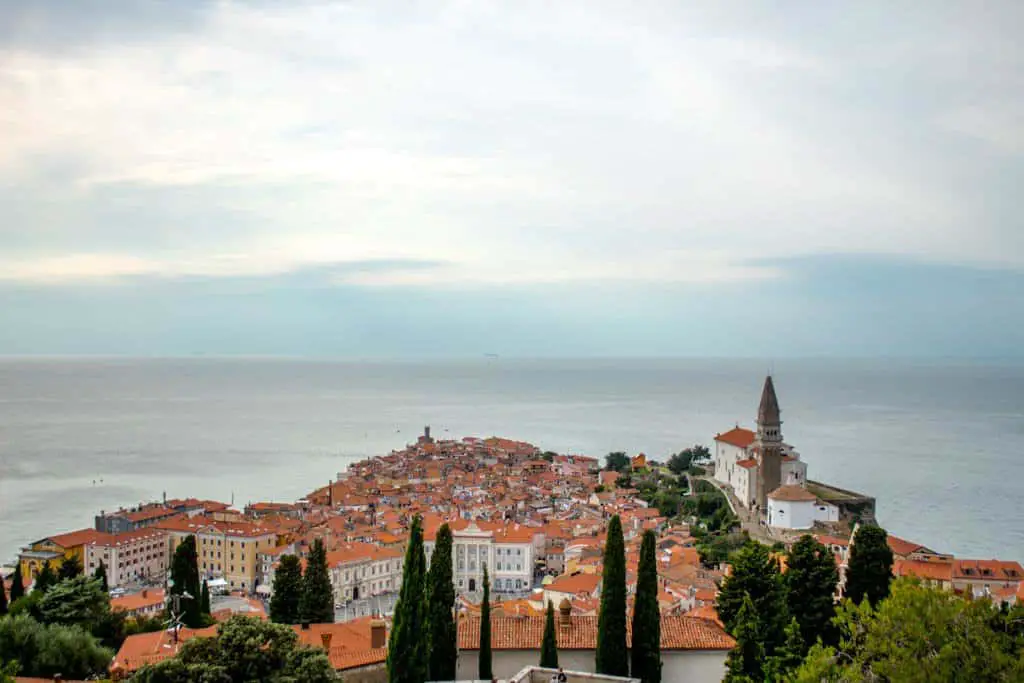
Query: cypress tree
x=17 y=586
x=869 y=571
x=185 y=579
x=3 y=599
x=612 y=655
x=755 y=574
x=646 y=652
x=486 y=670
x=204 y=600
x=70 y=567
x=788 y=657
x=284 y=605
x=407 y=656
x=810 y=580
x=549 y=645
x=101 y=574
x=441 y=600
x=745 y=661
x=317 y=603
x=44 y=579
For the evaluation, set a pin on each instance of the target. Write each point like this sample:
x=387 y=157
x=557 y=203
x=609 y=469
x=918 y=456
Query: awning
x=263 y=589
x=217 y=583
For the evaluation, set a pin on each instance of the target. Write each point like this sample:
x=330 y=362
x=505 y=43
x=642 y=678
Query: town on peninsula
x=527 y=533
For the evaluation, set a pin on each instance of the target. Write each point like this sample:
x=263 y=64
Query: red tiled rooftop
x=525 y=633
x=737 y=436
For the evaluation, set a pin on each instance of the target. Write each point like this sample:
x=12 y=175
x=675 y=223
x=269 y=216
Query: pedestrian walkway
x=749 y=520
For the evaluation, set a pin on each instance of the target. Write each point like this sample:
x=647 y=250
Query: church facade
x=756 y=463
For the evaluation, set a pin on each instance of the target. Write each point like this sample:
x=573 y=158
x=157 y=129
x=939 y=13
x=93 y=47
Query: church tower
x=768 y=444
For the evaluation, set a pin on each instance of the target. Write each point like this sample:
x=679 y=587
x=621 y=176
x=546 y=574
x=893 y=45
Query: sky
x=438 y=178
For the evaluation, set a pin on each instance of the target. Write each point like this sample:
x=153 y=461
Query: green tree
x=8 y=671
x=47 y=649
x=755 y=574
x=484 y=659
x=75 y=602
x=185 y=581
x=612 y=657
x=17 y=585
x=810 y=579
x=3 y=599
x=918 y=635
x=44 y=578
x=101 y=574
x=746 y=660
x=69 y=568
x=549 y=644
x=788 y=657
x=244 y=649
x=617 y=461
x=316 y=605
x=869 y=571
x=646 y=651
x=441 y=601
x=284 y=604
x=407 y=656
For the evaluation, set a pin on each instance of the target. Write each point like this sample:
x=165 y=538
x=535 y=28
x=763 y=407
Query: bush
x=47 y=649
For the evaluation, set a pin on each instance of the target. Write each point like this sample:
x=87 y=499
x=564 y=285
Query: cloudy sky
x=527 y=178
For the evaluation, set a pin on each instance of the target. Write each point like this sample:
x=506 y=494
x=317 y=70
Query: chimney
x=325 y=638
x=57 y=678
x=145 y=592
x=378 y=634
x=565 y=613
x=305 y=626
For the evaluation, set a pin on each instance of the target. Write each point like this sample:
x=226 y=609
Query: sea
x=939 y=444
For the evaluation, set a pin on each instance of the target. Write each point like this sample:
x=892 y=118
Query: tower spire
x=768 y=413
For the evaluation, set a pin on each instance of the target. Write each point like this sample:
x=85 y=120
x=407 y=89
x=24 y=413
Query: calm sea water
x=939 y=445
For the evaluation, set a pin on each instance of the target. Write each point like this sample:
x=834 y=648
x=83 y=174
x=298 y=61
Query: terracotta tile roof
x=792 y=492
x=136 y=601
x=111 y=541
x=901 y=546
x=936 y=571
x=746 y=463
x=578 y=583
x=150 y=648
x=993 y=570
x=737 y=436
x=525 y=633
x=707 y=612
x=77 y=538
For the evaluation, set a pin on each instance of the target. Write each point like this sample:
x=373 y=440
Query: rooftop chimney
x=305 y=626
x=378 y=634
x=325 y=638
x=565 y=613
x=145 y=592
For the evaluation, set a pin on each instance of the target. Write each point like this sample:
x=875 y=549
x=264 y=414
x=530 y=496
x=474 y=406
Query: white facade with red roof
x=129 y=557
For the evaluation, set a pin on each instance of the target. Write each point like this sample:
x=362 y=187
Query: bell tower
x=768 y=444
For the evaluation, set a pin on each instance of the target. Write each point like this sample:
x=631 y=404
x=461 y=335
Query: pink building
x=129 y=557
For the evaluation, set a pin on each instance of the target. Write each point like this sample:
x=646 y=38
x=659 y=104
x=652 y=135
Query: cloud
x=505 y=144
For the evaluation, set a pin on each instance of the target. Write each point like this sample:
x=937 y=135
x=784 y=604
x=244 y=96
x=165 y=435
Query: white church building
x=766 y=474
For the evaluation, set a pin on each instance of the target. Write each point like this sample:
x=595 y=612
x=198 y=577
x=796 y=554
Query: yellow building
x=225 y=550
x=53 y=549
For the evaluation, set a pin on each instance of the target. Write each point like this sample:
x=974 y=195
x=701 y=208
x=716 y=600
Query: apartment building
x=226 y=550
x=131 y=557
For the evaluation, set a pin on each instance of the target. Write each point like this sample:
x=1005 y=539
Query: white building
x=794 y=507
x=130 y=557
x=508 y=553
x=361 y=570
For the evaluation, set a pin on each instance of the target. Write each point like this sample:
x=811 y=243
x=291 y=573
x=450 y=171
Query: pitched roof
x=150 y=648
x=792 y=492
x=737 y=436
x=901 y=546
x=768 y=412
x=996 y=570
x=575 y=583
x=136 y=601
x=525 y=633
x=77 y=538
x=746 y=463
x=936 y=571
